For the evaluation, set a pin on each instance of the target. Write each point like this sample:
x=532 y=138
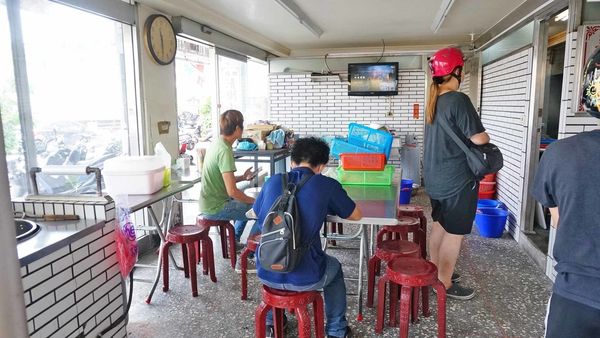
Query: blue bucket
x=491 y=221
x=406 y=187
x=483 y=203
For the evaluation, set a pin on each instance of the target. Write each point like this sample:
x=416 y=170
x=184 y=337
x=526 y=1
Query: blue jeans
x=235 y=210
x=334 y=291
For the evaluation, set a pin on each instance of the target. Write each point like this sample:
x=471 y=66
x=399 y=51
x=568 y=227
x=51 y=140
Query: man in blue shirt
x=317 y=198
x=568 y=182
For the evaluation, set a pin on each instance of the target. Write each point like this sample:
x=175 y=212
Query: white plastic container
x=133 y=175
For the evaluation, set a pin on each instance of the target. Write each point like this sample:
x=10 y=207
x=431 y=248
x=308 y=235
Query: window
x=512 y=42
x=82 y=106
x=195 y=76
x=232 y=84
x=257 y=98
x=10 y=112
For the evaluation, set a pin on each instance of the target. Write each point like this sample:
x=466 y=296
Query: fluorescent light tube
x=299 y=14
x=441 y=15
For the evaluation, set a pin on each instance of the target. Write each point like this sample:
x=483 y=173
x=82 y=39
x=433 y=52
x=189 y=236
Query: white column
x=12 y=305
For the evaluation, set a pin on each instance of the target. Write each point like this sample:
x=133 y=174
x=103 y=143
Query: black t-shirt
x=446 y=168
x=569 y=177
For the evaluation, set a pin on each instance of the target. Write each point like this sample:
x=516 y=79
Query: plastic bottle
x=163 y=154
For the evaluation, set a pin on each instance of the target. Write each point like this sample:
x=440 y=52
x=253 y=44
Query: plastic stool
x=410 y=273
x=251 y=245
x=188 y=236
x=386 y=251
x=406 y=224
x=337 y=228
x=416 y=211
x=223 y=225
x=278 y=300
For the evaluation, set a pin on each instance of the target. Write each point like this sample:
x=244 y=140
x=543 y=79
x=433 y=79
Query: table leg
x=363 y=235
x=371 y=241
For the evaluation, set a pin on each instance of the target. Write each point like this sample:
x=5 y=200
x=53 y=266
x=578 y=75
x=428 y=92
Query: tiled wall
x=78 y=288
x=504 y=109
x=324 y=107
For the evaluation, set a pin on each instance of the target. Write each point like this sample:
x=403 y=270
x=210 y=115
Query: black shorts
x=568 y=318
x=457 y=213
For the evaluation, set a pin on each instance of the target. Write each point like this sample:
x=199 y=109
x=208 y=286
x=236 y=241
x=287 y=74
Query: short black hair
x=312 y=150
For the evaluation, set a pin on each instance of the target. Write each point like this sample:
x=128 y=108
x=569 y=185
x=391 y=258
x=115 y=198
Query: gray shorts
x=457 y=213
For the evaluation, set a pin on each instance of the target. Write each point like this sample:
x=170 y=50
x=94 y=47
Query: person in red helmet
x=450 y=184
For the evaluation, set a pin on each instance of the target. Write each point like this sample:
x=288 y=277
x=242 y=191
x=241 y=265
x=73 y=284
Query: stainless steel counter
x=52 y=236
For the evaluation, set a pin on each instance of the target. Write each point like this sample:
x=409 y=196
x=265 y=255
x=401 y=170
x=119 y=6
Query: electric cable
x=382 y=52
x=326 y=65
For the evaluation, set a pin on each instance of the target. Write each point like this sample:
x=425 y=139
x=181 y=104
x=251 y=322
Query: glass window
x=232 y=84
x=257 y=98
x=195 y=76
x=515 y=40
x=9 y=111
x=78 y=69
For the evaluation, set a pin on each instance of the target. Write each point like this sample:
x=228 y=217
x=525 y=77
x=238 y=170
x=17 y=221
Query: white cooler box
x=133 y=175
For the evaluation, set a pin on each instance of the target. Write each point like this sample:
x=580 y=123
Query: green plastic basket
x=360 y=177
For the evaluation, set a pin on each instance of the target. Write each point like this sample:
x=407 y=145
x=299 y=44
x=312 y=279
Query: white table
x=378 y=207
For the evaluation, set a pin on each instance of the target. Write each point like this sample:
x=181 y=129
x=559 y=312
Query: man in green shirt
x=220 y=199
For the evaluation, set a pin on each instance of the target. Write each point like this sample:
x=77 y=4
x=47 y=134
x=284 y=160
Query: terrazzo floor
x=510 y=301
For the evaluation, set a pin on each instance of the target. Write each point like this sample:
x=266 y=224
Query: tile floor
x=510 y=301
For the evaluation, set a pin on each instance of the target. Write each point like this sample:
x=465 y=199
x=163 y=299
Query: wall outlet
x=389 y=113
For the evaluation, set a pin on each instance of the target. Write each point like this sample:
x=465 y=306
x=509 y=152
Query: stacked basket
x=487 y=187
x=363 y=157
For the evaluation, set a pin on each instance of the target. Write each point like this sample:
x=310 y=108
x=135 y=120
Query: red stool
x=410 y=273
x=188 y=236
x=406 y=224
x=251 y=246
x=386 y=251
x=278 y=300
x=223 y=225
x=416 y=211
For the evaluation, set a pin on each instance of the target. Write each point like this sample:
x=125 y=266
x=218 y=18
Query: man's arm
x=554 y=217
x=246 y=176
x=233 y=191
x=355 y=215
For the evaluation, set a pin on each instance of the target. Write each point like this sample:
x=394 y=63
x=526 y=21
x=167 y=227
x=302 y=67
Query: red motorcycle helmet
x=445 y=60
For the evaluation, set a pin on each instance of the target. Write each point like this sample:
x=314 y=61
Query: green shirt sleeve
x=226 y=161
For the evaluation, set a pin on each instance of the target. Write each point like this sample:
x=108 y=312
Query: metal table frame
x=166 y=196
x=262 y=156
x=376 y=210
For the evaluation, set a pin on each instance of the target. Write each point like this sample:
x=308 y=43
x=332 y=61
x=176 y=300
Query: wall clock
x=160 y=39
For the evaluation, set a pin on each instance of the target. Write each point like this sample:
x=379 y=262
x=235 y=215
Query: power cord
x=382 y=52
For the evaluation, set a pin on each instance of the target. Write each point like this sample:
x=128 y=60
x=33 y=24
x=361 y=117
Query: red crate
x=489 y=178
x=487 y=186
x=363 y=161
x=488 y=195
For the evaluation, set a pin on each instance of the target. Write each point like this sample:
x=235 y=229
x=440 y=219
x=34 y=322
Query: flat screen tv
x=373 y=79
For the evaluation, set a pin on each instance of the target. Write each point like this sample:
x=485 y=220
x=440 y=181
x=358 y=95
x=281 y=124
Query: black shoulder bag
x=482 y=159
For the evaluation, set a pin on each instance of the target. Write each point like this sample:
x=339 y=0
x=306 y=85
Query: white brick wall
x=324 y=107
x=505 y=90
x=77 y=288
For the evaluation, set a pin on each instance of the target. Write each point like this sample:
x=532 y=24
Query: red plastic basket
x=362 y=161
x=487 y=186
x=489 y=178
x=488 y=195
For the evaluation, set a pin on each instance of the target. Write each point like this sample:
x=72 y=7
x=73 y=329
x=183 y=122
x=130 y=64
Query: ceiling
x=347 y=24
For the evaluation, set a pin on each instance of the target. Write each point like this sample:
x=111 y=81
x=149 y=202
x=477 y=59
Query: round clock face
x=160 y=39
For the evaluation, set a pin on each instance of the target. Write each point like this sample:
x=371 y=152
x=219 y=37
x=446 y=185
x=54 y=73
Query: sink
x=25 y=228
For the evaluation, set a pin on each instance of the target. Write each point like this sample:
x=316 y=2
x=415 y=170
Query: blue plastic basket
x=491 y=221
x=375 y=140
x=339 y=147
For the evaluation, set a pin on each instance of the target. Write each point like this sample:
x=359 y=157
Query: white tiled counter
x=71 y=280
